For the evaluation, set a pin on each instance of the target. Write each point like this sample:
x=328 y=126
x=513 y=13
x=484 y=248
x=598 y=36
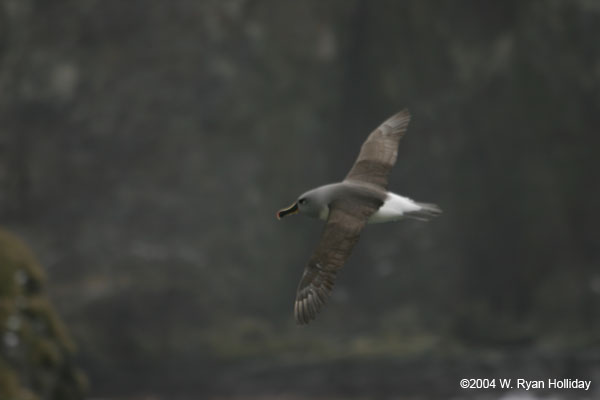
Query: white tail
x=426 y=212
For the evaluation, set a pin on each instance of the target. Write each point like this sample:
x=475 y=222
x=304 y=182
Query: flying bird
x=347 y=206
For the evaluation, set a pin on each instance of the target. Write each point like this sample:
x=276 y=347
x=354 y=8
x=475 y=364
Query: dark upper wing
x=346 y=220
x=379 y=152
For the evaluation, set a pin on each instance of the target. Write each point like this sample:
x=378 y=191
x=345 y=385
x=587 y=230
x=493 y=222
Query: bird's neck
x=324 y=213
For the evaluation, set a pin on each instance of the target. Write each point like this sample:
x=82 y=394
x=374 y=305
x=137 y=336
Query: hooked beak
x=293 y=209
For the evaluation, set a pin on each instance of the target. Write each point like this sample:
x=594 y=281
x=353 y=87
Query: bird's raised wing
x=379 y=152
x=341 y=232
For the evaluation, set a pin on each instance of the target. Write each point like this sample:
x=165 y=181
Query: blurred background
x=145 y=147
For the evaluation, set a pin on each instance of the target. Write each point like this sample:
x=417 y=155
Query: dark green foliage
x=36 y=351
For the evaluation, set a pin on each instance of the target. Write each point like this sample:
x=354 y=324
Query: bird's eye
x=302 y=201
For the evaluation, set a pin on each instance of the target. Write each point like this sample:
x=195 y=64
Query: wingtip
x=397 y=123
x=306 y=308
x=301 y=312
x=399 y=119
x=404 y=111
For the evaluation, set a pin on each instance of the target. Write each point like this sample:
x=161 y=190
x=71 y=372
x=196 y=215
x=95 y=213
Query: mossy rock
x=35 y=348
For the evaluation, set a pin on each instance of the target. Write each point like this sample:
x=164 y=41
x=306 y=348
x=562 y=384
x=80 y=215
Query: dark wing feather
x=379 y=152
x=341 y=232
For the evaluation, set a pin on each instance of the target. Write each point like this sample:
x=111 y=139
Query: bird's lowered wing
x=346 y=219
x=379 y=152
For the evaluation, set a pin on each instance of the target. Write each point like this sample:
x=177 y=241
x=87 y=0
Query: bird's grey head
x=314 y=203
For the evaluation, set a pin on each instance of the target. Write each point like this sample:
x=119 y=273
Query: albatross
x=347 y=206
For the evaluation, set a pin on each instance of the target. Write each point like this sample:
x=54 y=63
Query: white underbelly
x=394 y=208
